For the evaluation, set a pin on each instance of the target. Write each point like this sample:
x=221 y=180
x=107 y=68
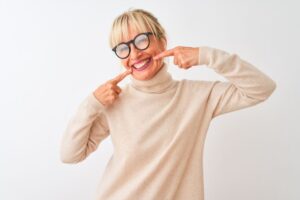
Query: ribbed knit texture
x=158 y=128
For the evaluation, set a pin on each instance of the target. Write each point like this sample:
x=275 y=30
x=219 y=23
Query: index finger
x=165 y=53
x=121 y=76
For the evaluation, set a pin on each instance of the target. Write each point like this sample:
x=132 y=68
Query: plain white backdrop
x=54 y=53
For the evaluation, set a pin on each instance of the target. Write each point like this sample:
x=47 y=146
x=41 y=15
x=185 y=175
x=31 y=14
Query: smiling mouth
x=142 y=65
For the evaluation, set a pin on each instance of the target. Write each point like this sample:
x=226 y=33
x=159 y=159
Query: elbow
x=69 y=158
x=269 y=90
x=274 y=85
x=264 y=93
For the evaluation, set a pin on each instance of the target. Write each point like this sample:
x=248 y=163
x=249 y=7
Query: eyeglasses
x=140 y=42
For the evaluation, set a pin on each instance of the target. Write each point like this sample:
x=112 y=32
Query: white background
x=54 y=53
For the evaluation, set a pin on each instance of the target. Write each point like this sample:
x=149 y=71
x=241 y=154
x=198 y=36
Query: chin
x=149 y=72
x=142 y=77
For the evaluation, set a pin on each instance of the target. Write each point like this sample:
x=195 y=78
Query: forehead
x=130 y=30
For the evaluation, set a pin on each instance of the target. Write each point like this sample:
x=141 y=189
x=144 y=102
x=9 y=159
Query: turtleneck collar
x=159 y=83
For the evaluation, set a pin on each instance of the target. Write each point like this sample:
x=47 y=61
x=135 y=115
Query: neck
x=159 y=83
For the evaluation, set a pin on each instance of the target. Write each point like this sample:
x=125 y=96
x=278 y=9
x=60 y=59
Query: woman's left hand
x=184 y=57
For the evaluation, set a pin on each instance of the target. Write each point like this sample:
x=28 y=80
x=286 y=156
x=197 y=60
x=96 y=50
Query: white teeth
x=141 y=64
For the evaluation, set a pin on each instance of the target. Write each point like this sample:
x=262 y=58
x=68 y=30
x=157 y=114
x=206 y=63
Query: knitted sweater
x=158 y=128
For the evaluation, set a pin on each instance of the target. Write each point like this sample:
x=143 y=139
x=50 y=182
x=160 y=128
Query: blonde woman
x=158 y=124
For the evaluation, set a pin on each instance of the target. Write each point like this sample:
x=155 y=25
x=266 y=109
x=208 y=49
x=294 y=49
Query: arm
x=87 y=128
x=247 y=85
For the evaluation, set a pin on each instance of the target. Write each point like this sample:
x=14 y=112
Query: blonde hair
x=138 y=19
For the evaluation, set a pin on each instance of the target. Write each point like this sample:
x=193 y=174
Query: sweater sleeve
x=246 y=87
x=86 y=129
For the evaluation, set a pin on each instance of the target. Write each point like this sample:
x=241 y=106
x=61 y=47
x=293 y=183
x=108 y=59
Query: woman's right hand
x=108 y=92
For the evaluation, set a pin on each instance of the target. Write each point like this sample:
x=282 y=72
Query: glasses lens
x=141 y=42
x=122 y=50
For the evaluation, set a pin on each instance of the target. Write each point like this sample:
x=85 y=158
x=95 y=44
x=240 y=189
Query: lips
x=140 y=63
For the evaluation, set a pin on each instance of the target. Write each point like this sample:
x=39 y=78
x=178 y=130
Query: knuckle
x=111 y=92
x=108 y=84
x=114 y=96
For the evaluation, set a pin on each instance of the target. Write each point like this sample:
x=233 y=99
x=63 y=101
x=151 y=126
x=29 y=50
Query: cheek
x=154 y=51
x=155 y=48
x=125 y=63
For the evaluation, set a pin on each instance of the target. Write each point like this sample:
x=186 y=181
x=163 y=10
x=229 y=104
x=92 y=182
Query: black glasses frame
x=132 y=41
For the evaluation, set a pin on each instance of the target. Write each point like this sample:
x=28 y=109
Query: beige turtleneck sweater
x=158 y=128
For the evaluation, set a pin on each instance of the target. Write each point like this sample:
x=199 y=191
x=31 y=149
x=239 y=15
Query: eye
x=122 y=47
x=122 y=50
x=141 y=41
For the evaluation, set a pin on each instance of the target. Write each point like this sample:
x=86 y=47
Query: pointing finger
x=121 y=76
x=165 y=53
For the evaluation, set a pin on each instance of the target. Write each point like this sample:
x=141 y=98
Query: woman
x=157 y=124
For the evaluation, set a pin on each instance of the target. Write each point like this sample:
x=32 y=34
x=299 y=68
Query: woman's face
x=141 y=61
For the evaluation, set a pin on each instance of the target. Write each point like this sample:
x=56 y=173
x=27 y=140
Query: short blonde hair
x=140 y=20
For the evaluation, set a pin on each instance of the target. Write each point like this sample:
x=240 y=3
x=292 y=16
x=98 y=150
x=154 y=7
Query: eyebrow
x=127 y=40
x=130 y=39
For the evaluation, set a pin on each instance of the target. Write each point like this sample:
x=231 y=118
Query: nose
x=135 y=53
